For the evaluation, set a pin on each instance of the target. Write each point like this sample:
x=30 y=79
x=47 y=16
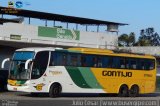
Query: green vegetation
x=148 y=37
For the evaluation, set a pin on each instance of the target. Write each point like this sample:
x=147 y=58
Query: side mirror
x=27 y=62
x=4 y=61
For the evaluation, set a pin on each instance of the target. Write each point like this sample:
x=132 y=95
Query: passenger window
x=73 y=60
x=152 y=65
x=149 y=64
x=64 y=59
x=99 y=62
x=105 y=61
x=53 y=59
x=95 y=61
x=133 y=64
x=127 y=63
x=110 y=62
x=142 y=65
x=83 y=61
x=122 y=63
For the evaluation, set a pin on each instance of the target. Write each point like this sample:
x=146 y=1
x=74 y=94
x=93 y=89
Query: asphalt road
x=25 y=99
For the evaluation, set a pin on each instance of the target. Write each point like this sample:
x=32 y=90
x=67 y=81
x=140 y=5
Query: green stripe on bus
x=77 y=77
x=20 y=82
x=89 y=77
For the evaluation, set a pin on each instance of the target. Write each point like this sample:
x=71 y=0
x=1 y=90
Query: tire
x=134 y=91
x=123 y=91
x=55 y=90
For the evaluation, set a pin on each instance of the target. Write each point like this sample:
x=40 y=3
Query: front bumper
x=18 y=88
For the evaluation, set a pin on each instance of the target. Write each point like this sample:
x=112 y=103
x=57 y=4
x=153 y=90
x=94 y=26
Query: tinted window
x=89 y=60
x=105 y=61
x=149 y=65
x=127 y=63
x=83 y=61
x=110 y=62
x=73 y=60
x=122 y=63
x=21 y=55
x=40 y=64
x=133 y=64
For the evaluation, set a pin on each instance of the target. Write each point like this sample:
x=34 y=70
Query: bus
x=80 y=70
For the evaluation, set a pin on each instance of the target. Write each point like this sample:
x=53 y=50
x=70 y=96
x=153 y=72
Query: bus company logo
x=55 y=72
x=10 y=4
x=116 y=73
x=19 y=4
x=39 y=86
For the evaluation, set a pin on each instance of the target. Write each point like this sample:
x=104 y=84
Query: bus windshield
x=17 y=70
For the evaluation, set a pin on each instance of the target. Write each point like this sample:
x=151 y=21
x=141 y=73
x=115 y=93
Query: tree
x=126 y=40
x=142 y=42
x=148 y=38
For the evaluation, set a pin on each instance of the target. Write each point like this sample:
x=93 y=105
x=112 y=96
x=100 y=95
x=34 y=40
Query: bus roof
x=36 y=49
x=92 y=50
x=109 y=52
x=87 y=51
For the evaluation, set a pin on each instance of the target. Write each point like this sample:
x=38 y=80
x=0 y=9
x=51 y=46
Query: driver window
x=40 y=64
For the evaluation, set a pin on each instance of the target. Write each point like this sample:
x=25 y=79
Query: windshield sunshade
x=23 y=55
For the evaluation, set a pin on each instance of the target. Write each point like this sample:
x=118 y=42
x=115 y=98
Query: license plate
x=15 y=89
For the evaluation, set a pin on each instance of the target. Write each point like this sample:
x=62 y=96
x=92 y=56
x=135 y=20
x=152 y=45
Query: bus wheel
x=134 y=91
x=123 y=91
x=55 y=90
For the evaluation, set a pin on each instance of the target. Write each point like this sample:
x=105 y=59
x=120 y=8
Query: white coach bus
x=80 y=70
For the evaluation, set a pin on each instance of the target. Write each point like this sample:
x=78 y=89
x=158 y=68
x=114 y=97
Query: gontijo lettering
x=117 y=73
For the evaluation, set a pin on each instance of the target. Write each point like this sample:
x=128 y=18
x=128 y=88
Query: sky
x=139 y=14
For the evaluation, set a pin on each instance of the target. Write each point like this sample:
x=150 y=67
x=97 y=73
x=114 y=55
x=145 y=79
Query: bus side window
x=133 y=64
x=64 y=59
x=73 y=60
x=59 y=58
x=94 y=62
x=110 y=62
x=104 y=61
x=127 y=63
x=122 y=63
x=149 y=64
x=99 y=62
x=143 y=67
x=53 y=59
x=115 y=62
x=152 y=64
x=91 y=60
x=83 y=61
x=79 y=60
